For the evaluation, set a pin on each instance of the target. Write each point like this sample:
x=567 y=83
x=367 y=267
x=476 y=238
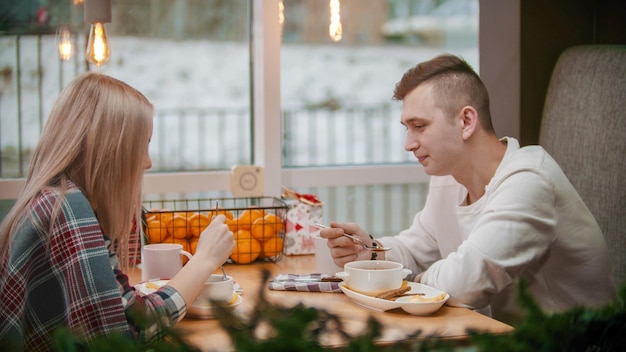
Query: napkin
x=304 y=283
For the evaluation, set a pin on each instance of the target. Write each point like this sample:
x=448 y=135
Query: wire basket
x=257 y=223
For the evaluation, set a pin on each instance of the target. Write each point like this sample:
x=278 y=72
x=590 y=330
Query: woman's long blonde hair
x=97 y=137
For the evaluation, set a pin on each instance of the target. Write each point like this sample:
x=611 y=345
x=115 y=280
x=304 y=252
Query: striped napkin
x=304 y=283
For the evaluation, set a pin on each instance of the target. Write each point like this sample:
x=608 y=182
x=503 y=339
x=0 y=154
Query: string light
x=334 y=29
x=64 y=39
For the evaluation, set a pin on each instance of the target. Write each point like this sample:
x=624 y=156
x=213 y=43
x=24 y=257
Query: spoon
x=353 y=237
x=224 y=276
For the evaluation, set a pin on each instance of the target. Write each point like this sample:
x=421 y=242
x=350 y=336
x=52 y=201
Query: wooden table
x=448 y=322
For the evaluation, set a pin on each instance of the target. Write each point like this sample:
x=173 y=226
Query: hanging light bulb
x=334 y=29
x=98 y=51
x=97 y=13
x=64 y=40
x=281 y=13
x=78 y=2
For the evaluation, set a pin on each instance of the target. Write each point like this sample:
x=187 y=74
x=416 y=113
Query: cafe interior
x=339 y=153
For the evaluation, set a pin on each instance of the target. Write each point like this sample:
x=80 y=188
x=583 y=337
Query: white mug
x=161 y=260
x=323 y=259
x=217 y=289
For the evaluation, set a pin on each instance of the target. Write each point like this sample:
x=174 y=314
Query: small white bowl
x=422 y=308
x=371 y=277
x=217 y=289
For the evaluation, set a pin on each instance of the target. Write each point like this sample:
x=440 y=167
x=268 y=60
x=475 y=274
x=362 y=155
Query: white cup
x=161 y=260
x=215 y=289
x=323 y=259
x=371 y=277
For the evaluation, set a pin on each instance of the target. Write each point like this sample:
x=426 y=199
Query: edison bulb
x=281 y=13
x=65 y=44
x=334 y=29
x=98 y=51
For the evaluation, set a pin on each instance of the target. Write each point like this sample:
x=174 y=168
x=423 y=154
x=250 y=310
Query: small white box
x=247 y=181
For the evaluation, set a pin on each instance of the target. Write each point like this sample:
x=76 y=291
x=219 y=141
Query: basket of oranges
x=257 y=223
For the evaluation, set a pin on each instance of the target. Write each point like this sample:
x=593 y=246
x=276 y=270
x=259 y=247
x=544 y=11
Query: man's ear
x=469 y=121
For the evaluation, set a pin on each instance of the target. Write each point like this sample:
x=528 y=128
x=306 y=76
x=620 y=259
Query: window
x=191 y=59
x=326 y=126
x=339 y=121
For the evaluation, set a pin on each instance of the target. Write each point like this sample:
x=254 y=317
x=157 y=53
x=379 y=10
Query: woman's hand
x=344 y=249
x=215 y=244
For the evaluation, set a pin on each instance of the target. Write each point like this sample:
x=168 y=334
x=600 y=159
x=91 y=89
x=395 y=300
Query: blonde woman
x=58 y=266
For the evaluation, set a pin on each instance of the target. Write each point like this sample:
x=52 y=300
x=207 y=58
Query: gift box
x=303 y=211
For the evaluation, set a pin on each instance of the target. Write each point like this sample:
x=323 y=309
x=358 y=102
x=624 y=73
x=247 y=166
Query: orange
x=156 y=231
x=165 y=216
x=232 y=224
x=153 y=213
x=242 y=235
x=267 y=227
x=272 y=247
x=247 y=218
x=177 y=227
x=196 y=223
x=263 y=212
x=260 y=231
x=246 y=251
x=273 y=222
x=226 y=213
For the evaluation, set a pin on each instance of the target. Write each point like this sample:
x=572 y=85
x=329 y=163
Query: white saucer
x=381 y=305
x=205 y=311
x=196 y=310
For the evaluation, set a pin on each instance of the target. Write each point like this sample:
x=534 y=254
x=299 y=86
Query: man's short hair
x=455 y=84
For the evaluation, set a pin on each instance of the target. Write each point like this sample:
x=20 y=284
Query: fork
x=354 y=238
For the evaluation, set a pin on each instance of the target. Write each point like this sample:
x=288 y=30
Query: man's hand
x=344 y=249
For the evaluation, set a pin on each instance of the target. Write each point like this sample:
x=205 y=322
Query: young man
x=495 y=212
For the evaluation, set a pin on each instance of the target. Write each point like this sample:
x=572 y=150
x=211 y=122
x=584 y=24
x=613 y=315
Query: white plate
x=381 y=305
x=196 y=310
x=148 y=287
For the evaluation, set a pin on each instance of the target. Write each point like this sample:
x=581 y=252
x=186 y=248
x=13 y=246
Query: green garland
x=577 y=329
